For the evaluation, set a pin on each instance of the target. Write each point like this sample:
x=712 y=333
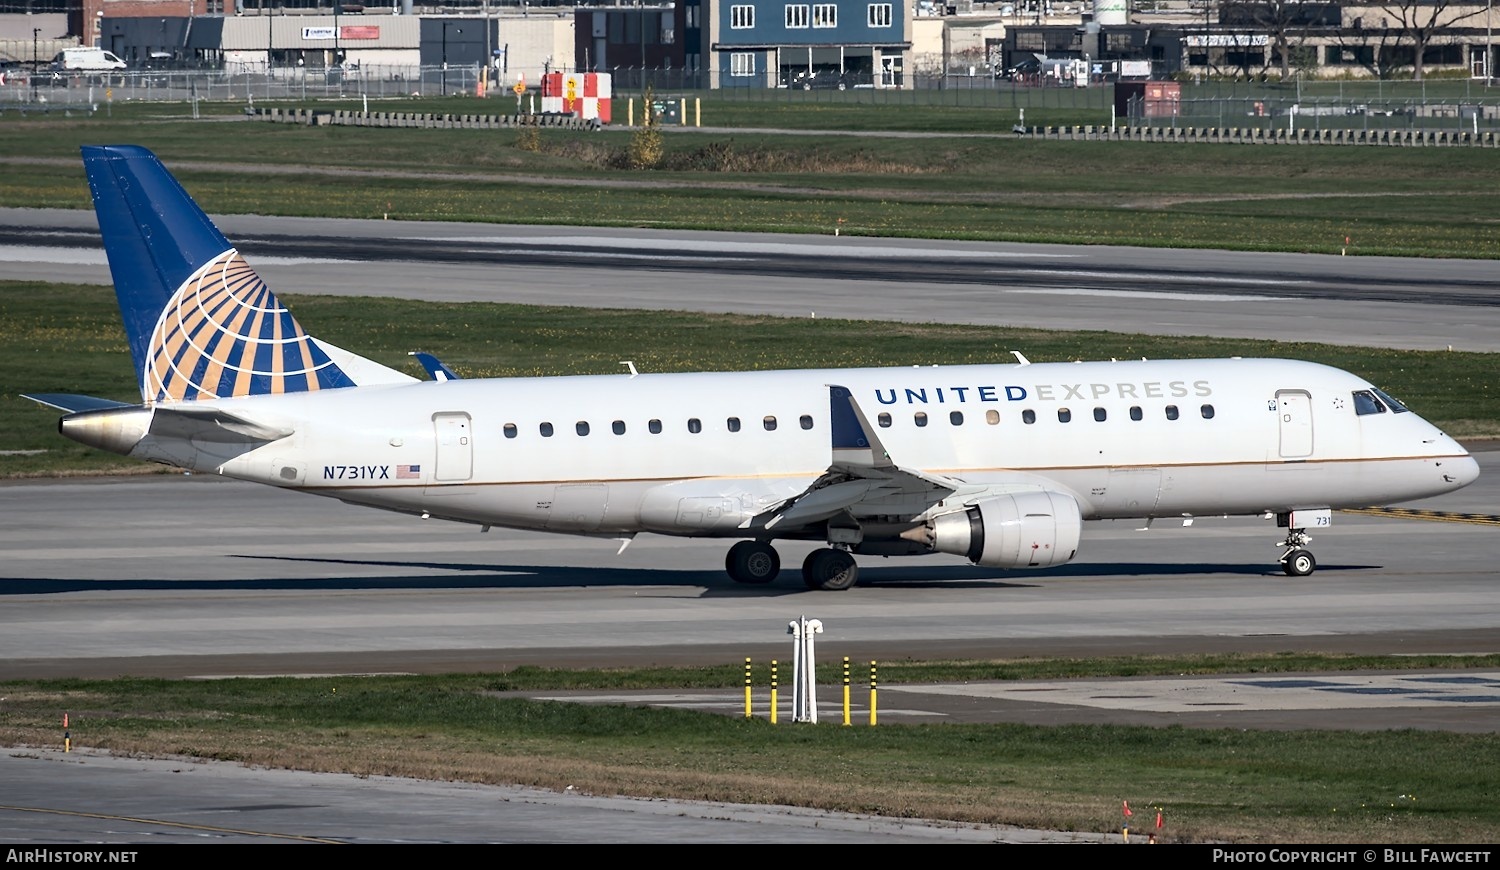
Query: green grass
x=1389 y=201
x=58 y=338
x=1211 y=785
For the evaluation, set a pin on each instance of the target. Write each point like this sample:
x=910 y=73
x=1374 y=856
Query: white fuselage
x=700 y=454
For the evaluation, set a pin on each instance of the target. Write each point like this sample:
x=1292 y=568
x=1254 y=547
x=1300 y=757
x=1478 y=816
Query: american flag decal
x=408 y=472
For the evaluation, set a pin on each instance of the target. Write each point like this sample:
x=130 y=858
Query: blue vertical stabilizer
x=155 y=235
x=201 y=323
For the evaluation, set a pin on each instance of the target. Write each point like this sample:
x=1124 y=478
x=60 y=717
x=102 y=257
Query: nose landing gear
x=1297 y=561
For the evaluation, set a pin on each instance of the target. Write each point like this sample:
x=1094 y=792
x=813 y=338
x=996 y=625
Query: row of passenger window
x=1028 y=416
x=884 y=420
x=694 y=425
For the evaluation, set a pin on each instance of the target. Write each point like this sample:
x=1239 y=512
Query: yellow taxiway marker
x=1440 y=516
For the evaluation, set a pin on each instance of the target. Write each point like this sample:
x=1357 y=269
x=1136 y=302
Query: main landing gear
x=757 y=563
x=1297 y=561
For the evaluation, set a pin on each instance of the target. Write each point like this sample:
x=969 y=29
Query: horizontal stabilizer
x=73 y=404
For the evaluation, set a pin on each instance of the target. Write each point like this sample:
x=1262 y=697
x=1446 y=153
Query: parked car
x=91 y=60
x=808 y=80
x=1022 y=71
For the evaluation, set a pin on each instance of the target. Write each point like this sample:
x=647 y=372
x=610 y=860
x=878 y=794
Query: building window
x=880 y=15
x=825 y=15
x=741 y=17
x=796 y=16
x=742 y=63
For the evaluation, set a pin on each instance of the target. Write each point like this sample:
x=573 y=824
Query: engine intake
x=1017 y=530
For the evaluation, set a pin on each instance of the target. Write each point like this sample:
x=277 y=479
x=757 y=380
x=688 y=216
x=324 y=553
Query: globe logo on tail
x=225 y=334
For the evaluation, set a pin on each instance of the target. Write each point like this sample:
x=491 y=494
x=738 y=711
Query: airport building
x=763 y=44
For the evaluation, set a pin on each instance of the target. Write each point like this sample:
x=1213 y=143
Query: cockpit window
x=1395 y=404
x=1366 y=403
x=1377 y=401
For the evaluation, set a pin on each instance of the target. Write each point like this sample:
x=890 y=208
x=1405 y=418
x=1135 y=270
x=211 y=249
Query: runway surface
x=194 y=575
x=1370 y=301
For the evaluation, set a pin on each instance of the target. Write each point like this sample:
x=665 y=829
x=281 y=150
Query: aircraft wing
x=862 y=478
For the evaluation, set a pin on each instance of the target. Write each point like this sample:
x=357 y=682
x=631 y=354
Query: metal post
x=804 y=684
x=36 y=67
x=846 y=690
x=773 y=692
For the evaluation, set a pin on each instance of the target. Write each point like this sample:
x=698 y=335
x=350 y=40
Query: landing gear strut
x=1297 y=561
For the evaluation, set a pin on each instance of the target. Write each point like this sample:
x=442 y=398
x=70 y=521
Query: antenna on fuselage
x=1020 y=358
x=629 y=364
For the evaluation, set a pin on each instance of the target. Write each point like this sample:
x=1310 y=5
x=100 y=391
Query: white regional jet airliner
x=1000 y=464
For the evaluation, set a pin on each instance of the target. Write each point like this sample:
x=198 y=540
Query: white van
x=86 y=60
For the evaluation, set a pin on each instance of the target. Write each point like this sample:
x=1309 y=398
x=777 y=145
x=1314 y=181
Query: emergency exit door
x=455 y=448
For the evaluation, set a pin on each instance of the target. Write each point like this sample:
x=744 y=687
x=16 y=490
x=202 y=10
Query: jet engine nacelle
x=1017 y=530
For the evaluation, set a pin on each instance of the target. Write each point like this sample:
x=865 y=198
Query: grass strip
x=1211 y=785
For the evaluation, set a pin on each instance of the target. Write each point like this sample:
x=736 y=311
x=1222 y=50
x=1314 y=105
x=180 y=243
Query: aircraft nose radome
x=1461 y=471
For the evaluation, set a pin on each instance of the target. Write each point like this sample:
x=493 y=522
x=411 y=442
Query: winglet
x=434 y=366
x=854 y=441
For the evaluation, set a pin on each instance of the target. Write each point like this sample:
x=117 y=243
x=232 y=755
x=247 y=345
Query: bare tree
x=1376 y=49
x=1284 y=23
x=1424 y=23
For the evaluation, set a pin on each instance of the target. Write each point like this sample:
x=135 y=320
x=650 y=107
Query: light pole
x=36 y=66
x=460 y=32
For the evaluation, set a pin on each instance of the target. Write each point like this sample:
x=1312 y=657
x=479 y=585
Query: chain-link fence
x=1451 y=104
